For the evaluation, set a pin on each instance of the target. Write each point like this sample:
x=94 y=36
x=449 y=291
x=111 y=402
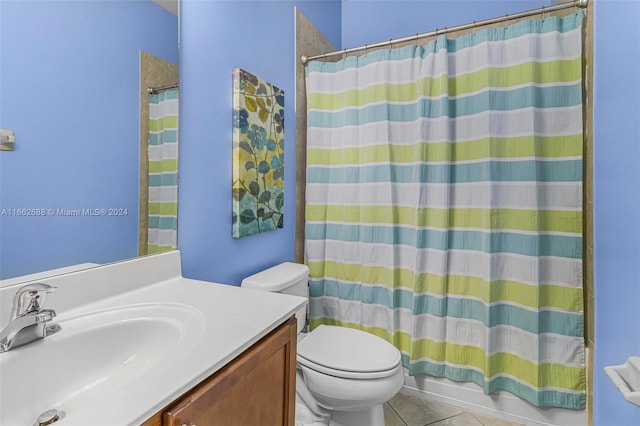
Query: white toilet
x=343 y=375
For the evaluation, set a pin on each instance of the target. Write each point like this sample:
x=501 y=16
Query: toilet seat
x=348 y=353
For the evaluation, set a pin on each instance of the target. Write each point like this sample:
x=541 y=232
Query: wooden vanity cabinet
x=256 y=388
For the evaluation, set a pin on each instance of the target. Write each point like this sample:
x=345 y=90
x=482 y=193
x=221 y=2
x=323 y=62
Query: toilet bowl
x=343 y=375
x=350 y=373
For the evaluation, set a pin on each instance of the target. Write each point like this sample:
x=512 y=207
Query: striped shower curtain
x=163 y=172
x=444 y=205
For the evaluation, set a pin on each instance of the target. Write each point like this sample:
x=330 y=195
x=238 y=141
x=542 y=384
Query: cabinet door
x=256 y=389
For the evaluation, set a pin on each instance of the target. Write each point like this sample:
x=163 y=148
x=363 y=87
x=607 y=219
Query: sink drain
x=49 y=417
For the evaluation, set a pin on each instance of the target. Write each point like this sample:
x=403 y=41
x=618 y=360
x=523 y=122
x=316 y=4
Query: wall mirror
x=70 y=91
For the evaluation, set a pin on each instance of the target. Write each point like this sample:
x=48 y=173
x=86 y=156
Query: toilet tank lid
x=277 y=278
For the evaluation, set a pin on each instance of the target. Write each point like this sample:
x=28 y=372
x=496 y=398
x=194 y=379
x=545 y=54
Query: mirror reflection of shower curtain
x=163 y=172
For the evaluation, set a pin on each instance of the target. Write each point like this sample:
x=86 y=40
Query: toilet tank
x=287 y=278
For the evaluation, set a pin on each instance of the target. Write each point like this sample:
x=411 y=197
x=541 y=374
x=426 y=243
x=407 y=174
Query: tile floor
x=404 y=410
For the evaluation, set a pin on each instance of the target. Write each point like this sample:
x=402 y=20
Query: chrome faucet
x=27 y=321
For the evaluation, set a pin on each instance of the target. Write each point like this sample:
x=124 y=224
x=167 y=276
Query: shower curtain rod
x=577 y=3
x=154 y=90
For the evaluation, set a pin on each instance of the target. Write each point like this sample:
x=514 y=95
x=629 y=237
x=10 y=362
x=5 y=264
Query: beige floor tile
x=490 y=421
x=464 y=419
x=391 y=418
x=418 y=412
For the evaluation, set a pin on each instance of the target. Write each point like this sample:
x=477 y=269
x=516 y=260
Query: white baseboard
x=501 y=405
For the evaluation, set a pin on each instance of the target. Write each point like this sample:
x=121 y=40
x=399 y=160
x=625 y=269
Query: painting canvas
x=258 y=155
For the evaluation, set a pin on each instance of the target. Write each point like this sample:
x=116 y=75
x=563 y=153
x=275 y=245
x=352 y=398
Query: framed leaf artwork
x=258 y=155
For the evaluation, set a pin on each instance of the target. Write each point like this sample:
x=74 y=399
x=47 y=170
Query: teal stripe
x=170 y=222
x=543 y=321
x=531 y=26
x=155 y=138
x=163 y=222
x=154 y=222
x=170 y=94
x=550 y=24
x=489 y=100
x=542 y=398
x=166 y=136
x=165 y=179
x=527 y=170
x=156 y=98
x=487 y=242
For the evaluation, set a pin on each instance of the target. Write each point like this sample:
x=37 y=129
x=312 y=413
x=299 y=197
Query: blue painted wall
x=216 y=37
x=69 y=86
x=616 y=201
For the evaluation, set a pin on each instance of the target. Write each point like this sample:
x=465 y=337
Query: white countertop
x=231 y=319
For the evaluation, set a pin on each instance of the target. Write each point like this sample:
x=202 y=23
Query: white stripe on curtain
x=556 y=196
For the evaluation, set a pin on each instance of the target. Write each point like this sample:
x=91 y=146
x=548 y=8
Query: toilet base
x=371 y=417
x=306 y=417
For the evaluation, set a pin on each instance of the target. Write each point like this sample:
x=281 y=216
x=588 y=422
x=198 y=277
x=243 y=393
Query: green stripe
x=164 y=208
x=542 y=296
x=495 y=147
x=490 y=219
x=565 y=71
x=166 y=165
x=491 y=77
x=154 y=248
x=166 y=122
x=487 y=100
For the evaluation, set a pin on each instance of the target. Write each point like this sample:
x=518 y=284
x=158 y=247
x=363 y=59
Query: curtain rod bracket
x=156 y=90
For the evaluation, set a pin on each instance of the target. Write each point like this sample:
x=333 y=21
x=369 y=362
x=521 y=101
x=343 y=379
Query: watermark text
x=64 y=212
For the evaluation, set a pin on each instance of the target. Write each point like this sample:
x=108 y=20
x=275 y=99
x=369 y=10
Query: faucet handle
x=29 y=298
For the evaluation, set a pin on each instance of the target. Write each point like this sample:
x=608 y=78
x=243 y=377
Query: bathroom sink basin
x=135 y=337
x=94 y=356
